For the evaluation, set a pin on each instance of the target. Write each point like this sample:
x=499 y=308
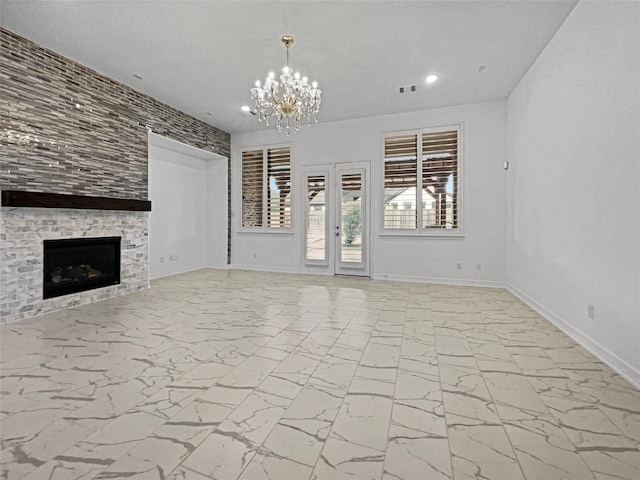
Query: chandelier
x=289 y=100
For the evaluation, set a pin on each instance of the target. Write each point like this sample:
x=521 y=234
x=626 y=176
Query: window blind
x=440 y=179
x=252 y=188
x=279 y=187
x=400 y=181
x=421 y=180
x=266 y=188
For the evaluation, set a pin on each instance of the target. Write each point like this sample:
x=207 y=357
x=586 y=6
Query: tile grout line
x=393 y=401
x=315 y=465
x=306 y=381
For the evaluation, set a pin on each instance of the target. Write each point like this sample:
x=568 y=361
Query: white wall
x=573 y=186
x=188 y=193
x=484 y=145
x=217 y=212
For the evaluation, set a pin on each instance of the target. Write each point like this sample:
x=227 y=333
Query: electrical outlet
x=161 y=259
x=173 y=258
x=478 y=266
x=591 y=311
x=458 y=266
x=254 y=254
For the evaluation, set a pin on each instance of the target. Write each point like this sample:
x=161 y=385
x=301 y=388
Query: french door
x=336 y=219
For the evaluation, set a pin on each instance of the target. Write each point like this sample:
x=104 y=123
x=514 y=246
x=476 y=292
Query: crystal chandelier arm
x=264 y=109
x=274 y=95
x=261 y=104
x=311 y=108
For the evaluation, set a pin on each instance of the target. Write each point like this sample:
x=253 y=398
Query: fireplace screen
x=79 y=264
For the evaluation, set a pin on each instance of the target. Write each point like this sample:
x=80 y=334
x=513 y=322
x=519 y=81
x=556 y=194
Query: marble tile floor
x=246 y=375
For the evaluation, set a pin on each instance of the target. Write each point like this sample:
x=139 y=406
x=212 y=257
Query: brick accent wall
x=65 y=128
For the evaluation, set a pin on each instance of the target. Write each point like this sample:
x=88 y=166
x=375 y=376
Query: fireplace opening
x=78 y=264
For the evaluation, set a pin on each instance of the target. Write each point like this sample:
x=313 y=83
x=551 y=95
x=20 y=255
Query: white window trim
x=264 y=229
x=421 y=231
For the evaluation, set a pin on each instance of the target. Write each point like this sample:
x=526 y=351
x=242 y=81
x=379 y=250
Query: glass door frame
x=328 y=192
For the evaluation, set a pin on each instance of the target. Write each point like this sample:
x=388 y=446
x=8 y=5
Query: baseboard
x=218 y=267
x=318 y=274
x=176 y=272
x=616 y=363
x=263 y=268
x=443 y=281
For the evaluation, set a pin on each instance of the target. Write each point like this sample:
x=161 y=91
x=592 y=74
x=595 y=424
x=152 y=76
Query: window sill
x=452 y=236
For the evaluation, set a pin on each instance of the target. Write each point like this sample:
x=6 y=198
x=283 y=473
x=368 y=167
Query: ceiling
x=203 y=57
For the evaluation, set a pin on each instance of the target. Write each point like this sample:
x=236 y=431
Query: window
x=266 y=188
x=425 y=161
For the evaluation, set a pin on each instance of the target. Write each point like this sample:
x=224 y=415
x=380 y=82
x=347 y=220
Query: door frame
x=330 y=265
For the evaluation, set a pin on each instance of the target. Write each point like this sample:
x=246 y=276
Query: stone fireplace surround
x=75 y=132
x=22 y=232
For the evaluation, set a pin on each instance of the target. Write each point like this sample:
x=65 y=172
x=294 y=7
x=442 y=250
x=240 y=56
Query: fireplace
x=78 y=264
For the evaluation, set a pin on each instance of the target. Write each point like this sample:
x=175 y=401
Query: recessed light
x=210 y=114
x=244 y=108
x=137 y=76
x=432 y=78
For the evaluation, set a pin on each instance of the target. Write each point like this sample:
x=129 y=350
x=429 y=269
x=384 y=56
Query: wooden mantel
x=18 y=198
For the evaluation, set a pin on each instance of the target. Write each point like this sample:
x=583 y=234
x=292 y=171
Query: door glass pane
x=316 y=218
x=351 y=221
